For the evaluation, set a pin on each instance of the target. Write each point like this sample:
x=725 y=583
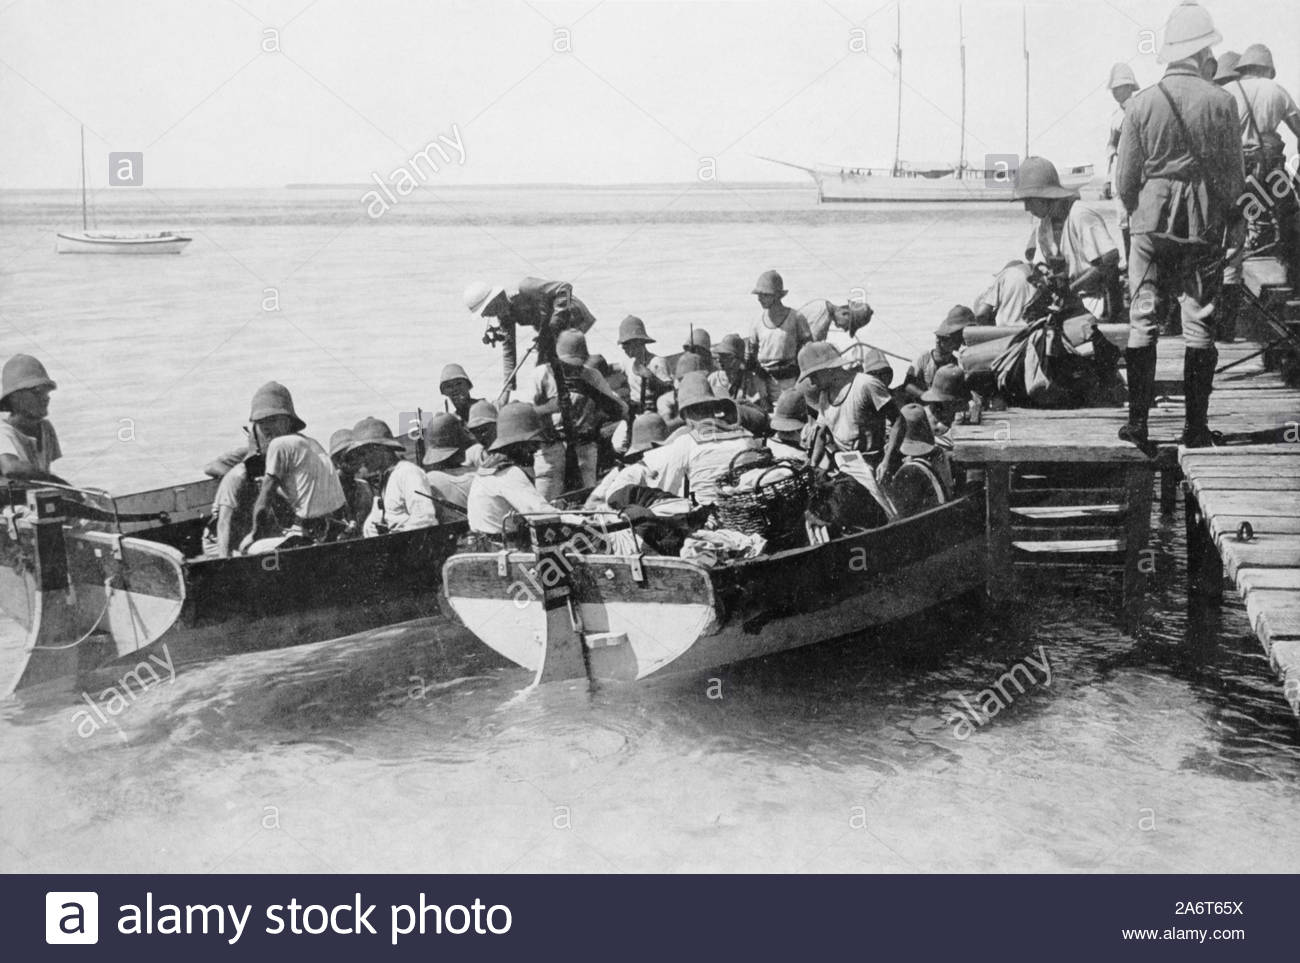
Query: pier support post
x=1170 y=477
x=1138 y=485
x=1000 y=579
x=1204 y=567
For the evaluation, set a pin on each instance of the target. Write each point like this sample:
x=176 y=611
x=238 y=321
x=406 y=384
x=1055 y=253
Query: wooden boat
x=624 y=618
x=129 y=583
x=103 y=242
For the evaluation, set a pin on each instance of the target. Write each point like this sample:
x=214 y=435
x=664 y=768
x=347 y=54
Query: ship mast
x=83 y=177
x=898 y=55
x=961 y=156
x=1024 y=41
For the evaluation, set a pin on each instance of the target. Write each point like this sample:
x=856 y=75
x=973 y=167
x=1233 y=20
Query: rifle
x=419 y=438
x=546 y=355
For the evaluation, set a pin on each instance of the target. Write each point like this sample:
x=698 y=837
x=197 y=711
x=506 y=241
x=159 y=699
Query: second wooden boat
x=623 y=618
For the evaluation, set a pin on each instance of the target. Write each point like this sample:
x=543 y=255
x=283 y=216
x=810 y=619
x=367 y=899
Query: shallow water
x=410 y=750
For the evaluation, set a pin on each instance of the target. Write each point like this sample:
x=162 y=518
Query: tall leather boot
x=1198 y=382
x=1226 y=317
x=1141 y=366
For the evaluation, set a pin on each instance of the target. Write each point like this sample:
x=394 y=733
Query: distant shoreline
x=369 y=185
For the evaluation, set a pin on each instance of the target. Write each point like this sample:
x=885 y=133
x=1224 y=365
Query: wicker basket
x=772 y=509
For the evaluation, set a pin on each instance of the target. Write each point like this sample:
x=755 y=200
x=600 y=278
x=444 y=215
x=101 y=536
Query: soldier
x=28 y=443
x=648 y=375
x=1179 y=175
x=1123 y=85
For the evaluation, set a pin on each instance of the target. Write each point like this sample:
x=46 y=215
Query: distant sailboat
x=100 y=242
x=907 y=181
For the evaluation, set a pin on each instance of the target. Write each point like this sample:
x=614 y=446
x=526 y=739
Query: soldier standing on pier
x=1179 y=175
x=1123 y=85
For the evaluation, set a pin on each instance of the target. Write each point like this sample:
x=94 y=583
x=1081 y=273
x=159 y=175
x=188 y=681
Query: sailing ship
x=102 y=242
x=908 y=181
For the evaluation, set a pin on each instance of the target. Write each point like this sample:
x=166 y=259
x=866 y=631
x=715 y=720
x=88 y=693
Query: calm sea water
x=409 y=749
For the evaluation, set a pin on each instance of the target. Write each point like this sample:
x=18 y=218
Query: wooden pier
x=1063 y=490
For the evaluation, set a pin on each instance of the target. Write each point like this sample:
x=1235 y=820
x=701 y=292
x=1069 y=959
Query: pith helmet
x=517 y=422
x=481 y=413
x=860 y=314
x=571 y=347
x=1257 y=55
x=340 y=441
x=372 y=431
x=949 y=385
x=919 y=439
x=23 y=371
x=873 y=361
x=1121 y=75
x=648 y=431
x=730 y=344
x=699 y=339
x=959 y=317
x=1188 y=29
x=769 y=282
x=819 y=356
x=791 y=411
x=687 y=363
x=632 y=328
x=273 y=399
x=1227 y=69
x=479 y=295
x=1037 y=177
x=444 y=435
x=453 y=372
x=695 y=391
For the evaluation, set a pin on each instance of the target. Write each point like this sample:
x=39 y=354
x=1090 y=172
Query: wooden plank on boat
x=1050 y=514
x=1087 y=546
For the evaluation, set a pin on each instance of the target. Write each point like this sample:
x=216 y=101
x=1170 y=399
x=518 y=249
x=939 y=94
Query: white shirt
x=844 y=414
x=1270 y=104
x=1084 y=238
x=405 y=504
x=499 y=491
x=778 y=344
x=39 y=452
x=699 y=457
x=306 y=475
x=1008 y=295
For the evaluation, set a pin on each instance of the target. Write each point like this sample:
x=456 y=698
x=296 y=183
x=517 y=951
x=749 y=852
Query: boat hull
x=90 y=243
x=126 y=597
x=681 y=617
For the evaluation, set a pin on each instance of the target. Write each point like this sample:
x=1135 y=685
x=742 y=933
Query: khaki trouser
x=1159 y=268
x=548 y=468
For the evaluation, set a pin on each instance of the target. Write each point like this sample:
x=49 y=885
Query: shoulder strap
x=1187 y=134
x=1250 y=113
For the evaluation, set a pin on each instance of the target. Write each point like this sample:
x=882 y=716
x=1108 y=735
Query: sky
x=242 y=93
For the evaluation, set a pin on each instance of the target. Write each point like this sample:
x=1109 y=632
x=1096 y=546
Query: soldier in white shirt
x=28 y=443
x=405 y=499
x=298 y=468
